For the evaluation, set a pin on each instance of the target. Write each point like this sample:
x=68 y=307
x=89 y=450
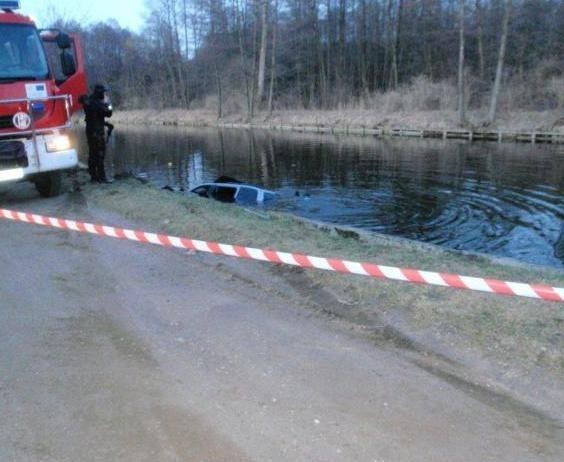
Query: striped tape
x=494 y=286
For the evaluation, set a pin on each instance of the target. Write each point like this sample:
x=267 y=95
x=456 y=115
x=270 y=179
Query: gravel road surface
x=112 y=350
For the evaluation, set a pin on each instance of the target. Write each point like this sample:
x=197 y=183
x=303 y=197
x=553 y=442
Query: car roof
x=235 y=185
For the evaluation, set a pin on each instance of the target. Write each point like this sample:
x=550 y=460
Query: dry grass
x=421 y=95
x=434 y=120
x=533 y=101
x=517 y=341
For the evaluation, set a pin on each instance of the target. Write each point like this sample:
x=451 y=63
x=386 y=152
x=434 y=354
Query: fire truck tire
x=49 y=184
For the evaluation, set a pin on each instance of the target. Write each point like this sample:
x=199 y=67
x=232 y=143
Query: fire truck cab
x=42 y=80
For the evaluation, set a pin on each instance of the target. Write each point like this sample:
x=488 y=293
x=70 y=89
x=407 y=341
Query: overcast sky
x=128 y=13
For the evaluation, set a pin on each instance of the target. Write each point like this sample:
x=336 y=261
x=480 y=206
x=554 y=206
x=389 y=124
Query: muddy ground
x=116 y=351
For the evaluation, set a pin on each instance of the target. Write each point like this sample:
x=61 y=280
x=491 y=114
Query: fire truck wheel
x=49 y=184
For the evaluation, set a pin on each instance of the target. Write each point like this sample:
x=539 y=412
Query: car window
x=247 y=195
x=268 y=197
x=223 y=193
x=202 y=191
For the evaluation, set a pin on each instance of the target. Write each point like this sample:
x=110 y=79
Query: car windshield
x=21 y=53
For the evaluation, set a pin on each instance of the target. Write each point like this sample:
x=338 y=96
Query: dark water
x=502 y=199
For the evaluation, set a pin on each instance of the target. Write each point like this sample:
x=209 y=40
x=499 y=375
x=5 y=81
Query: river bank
x=514 y=346
x=355 y=120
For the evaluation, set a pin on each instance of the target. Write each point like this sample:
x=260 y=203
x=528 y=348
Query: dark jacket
x=95 y=111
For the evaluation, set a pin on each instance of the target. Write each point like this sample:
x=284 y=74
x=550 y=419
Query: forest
x=246 y=56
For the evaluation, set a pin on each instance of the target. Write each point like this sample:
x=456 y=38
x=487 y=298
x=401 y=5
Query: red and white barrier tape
x=539 y=291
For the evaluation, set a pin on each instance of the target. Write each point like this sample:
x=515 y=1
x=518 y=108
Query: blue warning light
x=37 y=107
x=10 y=4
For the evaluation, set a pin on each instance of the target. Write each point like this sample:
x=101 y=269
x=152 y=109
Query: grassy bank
x=515 y=342
x=355 y=119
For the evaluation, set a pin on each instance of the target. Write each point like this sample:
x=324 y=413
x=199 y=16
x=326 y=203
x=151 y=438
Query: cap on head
x=100 y=89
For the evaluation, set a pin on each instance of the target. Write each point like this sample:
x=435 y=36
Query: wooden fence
x=470 y=135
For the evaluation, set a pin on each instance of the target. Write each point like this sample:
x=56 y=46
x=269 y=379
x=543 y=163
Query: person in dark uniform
x=96 y=109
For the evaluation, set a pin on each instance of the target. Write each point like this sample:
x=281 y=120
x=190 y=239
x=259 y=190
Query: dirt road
x=117 y=351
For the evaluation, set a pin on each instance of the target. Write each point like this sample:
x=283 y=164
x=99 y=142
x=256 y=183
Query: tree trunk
x=322 y=71
x=273 y=58
x=318 y=66
x=330 y=41
x=242 y=54
x=171 y=51
x=394 y=76
x=182 y=79
x=461 y=106
x=262 y=52
x=501 y=57
x=185 y=27
x=253 y=71
x=186 y=55
x=481 y=63
x=362 y=52
x=378 y=37
x=219 y=93
x=388 y=44
x=341 y=53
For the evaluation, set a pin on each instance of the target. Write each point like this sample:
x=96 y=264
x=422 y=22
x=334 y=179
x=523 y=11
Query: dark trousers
x=96 y=154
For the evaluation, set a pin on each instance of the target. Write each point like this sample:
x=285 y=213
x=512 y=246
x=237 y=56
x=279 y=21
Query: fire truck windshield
x=21 y=54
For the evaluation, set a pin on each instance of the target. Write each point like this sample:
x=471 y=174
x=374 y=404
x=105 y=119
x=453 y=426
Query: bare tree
x=273 y=57
x=500 y=59
x=479 y=20
x=389 y=42
x=249 y=91
x=461 y=104
x=341 y=56
x=262 y=52
x=323 y=53
x=396 y=35
x=362 y=47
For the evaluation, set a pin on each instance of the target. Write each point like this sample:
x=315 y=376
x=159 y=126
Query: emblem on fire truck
x=22 y=121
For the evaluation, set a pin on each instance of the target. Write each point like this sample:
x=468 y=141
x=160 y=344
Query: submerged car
x=230 y=190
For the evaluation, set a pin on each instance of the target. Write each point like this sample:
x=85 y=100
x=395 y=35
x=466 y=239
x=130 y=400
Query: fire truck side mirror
x=68 y=65
x=63 y=41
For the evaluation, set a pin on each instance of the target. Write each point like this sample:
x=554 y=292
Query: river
x=502 y=199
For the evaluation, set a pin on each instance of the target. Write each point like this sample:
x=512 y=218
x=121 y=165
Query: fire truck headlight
x=12 y=174
x=57 y=143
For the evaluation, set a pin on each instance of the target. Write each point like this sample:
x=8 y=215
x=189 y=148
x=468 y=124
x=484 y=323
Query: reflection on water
x=502 y=199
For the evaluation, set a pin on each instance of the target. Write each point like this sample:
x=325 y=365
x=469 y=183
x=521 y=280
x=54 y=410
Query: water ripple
x=503 y=199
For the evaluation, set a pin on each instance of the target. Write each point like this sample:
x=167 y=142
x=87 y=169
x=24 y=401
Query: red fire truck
x=42 y=79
